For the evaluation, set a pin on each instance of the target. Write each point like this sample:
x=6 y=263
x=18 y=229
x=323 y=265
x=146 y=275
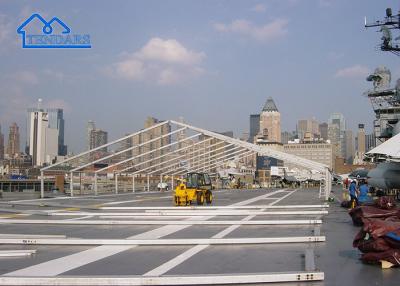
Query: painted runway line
x=169 y=265
x=190 y=213
x=80 y=221
x=174 y=241
x=63 y=264
x=185 y=208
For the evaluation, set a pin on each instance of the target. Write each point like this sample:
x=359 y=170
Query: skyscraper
x=323 y=130
x=254 y=126
x=1 y=145
x=152 y=134
x=370 y=142
x=13 y=146
x=43 y=141
x=339 y=120
x=287 y=136
x=360 y=145
x=56 y=122
x=349 y=155
x=361 y=139
x=45 y=135
x=334 y=137
x=308 y=125
x=270 y=121
x=91 y=125
x=98 y=138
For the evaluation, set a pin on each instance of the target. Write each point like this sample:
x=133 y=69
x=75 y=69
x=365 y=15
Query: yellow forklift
x=195 y=187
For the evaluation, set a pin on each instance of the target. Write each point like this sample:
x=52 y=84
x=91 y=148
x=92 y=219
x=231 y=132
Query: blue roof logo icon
x=47 y=38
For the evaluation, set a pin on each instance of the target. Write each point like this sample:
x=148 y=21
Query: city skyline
x=228 y=55
x=90 y=125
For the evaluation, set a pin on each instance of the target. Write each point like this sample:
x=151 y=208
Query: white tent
x=387 y=151
x=169 y=148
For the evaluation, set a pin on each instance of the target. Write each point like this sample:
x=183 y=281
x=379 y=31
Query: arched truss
x=171 y=148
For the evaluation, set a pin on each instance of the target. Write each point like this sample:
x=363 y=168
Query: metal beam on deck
x=175 y=241
x=227 y=279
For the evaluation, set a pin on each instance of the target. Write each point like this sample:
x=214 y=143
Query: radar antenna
x=390 y=22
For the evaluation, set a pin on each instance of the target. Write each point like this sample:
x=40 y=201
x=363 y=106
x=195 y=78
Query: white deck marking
x=79 y=218
x=135 y=201
x=192 y=213
x=82 y=197
x=63 y=264
x=155 y=209
x=172 y=241
x=33 y=236
x=79 y=221
x=167 y=266
x=17 y=253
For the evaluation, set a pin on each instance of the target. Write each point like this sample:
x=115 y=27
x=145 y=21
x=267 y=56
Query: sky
x=211 y=62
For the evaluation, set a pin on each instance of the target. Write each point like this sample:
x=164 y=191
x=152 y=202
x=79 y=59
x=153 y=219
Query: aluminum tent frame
x=169 y=148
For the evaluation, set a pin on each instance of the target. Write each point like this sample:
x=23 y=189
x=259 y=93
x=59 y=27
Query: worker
x=346 y=183
x=353 y=194
x=363 y=193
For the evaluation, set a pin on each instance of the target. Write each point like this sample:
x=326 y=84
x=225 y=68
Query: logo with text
x=36 y=32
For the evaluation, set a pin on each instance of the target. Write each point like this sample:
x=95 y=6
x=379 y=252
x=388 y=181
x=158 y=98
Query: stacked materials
x=379 y=238
x=382 y=208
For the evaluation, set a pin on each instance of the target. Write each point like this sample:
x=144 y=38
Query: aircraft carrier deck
x=45 y=229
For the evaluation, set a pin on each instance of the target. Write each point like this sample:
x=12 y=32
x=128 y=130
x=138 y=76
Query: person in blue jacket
x=353 y=193
x=363 y=193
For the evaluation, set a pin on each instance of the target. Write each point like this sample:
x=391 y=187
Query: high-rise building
x=270 y=121
x=45 y=134
x=91 y=125
x=155 y=143
x=323 y=130
x=43 y=141
x=98 y=138
x=360 y=145
x=254 y=126
x=308 y=125
x=339 y=120
x=370 y=142
x=316 y=151
x=287 y=136
x=56 y=122
x=334 y=138
x=361 y=139
x=13 y=146
x=349 y=155
x=1 y=145
x=123 y=145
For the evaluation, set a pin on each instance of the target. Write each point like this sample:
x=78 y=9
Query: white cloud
x=130 y=69
x=356 y=71
x=259 y=8
x=162 y=61
x=265 y=33
x=169 y=51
